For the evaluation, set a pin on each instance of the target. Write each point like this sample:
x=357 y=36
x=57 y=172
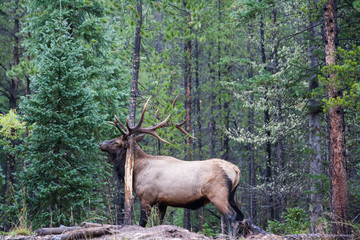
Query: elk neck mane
x=119 y=160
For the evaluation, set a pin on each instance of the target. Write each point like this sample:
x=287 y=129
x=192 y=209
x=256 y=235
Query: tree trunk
x=13 y=97
x=197 y=103
x=130 y=156
x=267 y=131
x=187 y=81
x=339 y=187
x=225 y=138
x=14 y=88
x=198 y=119
x=252 y=173
x=316 y=163
x=279 y=117
x=212 y=129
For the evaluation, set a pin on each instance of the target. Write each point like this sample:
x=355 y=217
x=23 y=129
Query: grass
x=20 y=231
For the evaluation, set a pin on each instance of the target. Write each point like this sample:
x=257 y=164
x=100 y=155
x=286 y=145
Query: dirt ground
x=162 y=232
x=173 y=233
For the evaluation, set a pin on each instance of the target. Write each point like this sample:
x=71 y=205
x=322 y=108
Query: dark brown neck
x=139 y=153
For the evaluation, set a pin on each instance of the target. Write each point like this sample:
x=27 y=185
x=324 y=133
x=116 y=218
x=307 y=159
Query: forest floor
x=108 y=232
x=162 y=232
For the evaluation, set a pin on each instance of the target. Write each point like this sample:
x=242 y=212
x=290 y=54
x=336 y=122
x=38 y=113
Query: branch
x=5 y=93
x=1 y=65
x=176 y=7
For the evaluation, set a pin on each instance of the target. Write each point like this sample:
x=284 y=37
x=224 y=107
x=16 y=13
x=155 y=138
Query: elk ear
x=139 y=138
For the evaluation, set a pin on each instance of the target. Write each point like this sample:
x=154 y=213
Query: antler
x=127 y=131
x=115 y=123
x=179 y=126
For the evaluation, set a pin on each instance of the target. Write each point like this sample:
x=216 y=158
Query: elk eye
x=117 y=142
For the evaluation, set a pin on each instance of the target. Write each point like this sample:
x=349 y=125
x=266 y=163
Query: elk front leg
x=145 y=212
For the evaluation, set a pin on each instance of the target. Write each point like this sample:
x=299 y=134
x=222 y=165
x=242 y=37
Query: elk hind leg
x=162 y=211
x=222 y=204
x=240 y=215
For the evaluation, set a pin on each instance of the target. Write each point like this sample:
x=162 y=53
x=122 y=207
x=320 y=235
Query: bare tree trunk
x=14 y=88
x=212 y=128
x=130 y=156
x=267 y=131
x=198 y=118
x=280 y=140
x=188 y=97
x=316 y=163
x=252 y=173
x=225 y=106
x=187 y=81
x=197 y=103
x=13 y=97
x=339 y=187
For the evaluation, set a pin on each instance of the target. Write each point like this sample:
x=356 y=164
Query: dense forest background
x=255 y=78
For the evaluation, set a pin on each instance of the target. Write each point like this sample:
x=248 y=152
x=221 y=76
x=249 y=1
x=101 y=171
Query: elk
x=166 y=181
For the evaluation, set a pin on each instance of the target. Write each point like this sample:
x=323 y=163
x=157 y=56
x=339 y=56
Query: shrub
x=296 y=221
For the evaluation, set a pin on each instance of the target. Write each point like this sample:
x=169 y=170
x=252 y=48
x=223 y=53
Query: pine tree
x=61 y=172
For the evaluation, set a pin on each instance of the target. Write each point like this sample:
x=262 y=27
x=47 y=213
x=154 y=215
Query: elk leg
x=240 y=215
x=145 y=212
x=220 y=199
x=230 y=219
x=230 y=214
x=162 y=211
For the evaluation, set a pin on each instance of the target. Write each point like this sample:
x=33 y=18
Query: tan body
x=189 y=184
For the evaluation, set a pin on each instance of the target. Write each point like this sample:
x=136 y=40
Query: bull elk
x=166 y=181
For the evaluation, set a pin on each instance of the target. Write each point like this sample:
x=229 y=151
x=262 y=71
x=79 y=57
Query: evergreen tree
x=61 y=172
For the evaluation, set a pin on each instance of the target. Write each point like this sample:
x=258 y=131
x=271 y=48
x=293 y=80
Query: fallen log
x=91 y=225
x=85 y=233
x=55 y=230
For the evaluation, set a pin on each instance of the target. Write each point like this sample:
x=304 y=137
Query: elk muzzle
x=103 y=146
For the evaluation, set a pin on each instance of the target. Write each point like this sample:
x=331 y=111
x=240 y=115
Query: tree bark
x=252 y=173
x=266 y=122
x=198 y=100
x=55 y=230
x=212 y=128
x=130 y=155
x=339 y=187
x=13 y=97
x=198 y=118
x=14 y=88
x=316 y=163
x=188 y=97
x=279 y=117
x=187 y=81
